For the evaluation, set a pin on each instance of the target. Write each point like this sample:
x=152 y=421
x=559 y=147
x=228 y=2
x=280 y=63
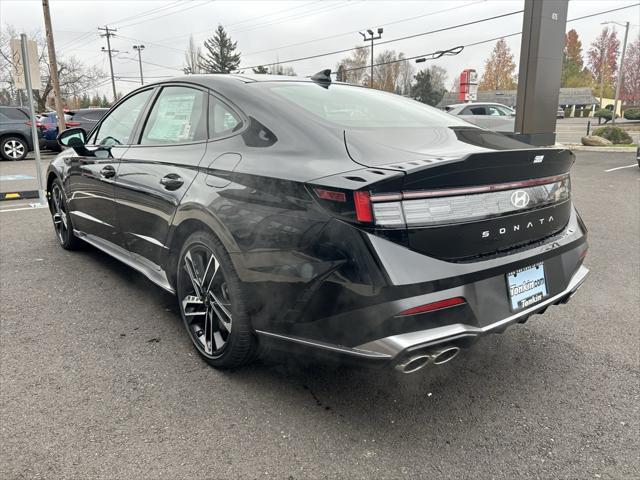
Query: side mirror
x=74 y=138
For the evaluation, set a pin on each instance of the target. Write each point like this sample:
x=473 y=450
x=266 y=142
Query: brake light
x=430 y=307
x=362 y=201
x=38 y=124
x=72 y=124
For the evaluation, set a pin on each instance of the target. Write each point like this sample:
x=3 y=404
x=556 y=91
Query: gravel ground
x=99 y=380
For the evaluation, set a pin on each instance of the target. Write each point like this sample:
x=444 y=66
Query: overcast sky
x=268 y=31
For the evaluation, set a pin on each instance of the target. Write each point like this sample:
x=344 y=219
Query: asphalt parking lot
x=99 y=380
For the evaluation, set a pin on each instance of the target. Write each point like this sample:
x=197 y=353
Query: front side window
x=222 y=120
x=117 y=127
x=358 y=107
x=178 y=116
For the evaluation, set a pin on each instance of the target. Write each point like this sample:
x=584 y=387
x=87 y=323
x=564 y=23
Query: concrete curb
x=586 y=148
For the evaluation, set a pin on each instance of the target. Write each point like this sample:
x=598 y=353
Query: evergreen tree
x=220 y=56
x=85 y=101
x=104 y=102
x=95 y=101
x=425 y=90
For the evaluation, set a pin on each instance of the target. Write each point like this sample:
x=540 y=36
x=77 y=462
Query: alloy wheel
x=206 y=304
x=60 y=219
x=14 y=149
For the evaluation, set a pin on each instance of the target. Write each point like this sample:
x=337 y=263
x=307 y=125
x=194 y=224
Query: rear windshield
x=357 y=107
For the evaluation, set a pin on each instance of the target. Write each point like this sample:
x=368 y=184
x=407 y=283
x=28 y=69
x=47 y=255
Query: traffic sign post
x=25 y=60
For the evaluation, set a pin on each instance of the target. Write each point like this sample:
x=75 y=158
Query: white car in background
x=492 y=116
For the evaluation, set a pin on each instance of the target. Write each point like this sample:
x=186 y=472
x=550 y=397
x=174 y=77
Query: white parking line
x=619 y=168
x=35 y=207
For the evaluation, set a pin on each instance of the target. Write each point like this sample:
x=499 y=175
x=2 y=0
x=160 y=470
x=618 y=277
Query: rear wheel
x=61 y=219
x=13 y=148
x=212 y=303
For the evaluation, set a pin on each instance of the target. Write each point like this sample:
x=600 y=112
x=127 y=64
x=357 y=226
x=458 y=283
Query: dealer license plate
x=527 y=286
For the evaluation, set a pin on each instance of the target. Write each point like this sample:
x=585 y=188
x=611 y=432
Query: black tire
x=219 y=326
x=13 y=148
x=61 y=219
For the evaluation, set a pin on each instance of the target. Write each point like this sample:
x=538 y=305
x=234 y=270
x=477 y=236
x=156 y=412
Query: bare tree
x=405 y=77
x=192 y=57
x=355 y=67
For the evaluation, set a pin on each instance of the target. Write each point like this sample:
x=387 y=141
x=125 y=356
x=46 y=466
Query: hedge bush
x=632 y=114
x=614 y=134
x=604 y=113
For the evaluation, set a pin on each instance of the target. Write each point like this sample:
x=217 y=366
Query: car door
x=155 y=173
x=501 y=119
x=90 y=178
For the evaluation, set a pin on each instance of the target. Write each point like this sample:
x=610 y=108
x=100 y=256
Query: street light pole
x=139 y=48
x=372 y=38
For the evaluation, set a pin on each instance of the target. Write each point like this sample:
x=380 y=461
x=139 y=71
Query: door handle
x=108 y=172
x=172 y=181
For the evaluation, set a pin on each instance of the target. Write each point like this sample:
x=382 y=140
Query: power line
x=344 y=50
x=145 y=13
x=165 y=14
x=306 y=42
x=237 y=23
x=456 y=50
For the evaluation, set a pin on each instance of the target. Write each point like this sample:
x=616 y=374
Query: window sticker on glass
x=172 y=120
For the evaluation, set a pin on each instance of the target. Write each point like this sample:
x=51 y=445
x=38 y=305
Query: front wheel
x=61 y=219
x=212 y=303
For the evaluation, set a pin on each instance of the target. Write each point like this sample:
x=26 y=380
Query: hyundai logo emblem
x=519 y=199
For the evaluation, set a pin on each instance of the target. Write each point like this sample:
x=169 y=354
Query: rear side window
x=222 y=120
x=178 y=116
x=117 y=127
x=359 y=107
x=15 y=114
x=474 y=111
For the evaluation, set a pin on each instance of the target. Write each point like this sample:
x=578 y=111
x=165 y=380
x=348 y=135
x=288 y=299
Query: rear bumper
x=395 y=345
x=396 y=348
x=359 y=319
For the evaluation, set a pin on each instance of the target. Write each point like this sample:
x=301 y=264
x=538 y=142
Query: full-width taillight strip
x=449 y=192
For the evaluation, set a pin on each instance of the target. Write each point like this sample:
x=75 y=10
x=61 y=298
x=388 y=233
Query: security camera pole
x=139 y=49
x=53 y=66
x=371 y=39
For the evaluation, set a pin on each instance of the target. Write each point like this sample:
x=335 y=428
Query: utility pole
x=139 y=48
x=53 y=67
x=372 y=38
x=603 y=65
x=108 y=32
x=620 y=75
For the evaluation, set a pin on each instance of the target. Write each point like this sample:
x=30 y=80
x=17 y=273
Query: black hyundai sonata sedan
x=301 y=214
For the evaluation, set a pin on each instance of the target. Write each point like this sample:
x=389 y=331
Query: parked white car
x=492 y=116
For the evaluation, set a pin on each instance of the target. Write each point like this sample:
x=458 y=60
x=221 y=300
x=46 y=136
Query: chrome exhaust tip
x=445 y=355
x=437 y=357
x=413 y=364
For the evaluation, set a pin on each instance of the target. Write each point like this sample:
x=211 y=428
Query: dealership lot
x=98 y=379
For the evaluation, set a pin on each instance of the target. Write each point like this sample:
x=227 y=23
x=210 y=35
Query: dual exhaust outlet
x=421 y=360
